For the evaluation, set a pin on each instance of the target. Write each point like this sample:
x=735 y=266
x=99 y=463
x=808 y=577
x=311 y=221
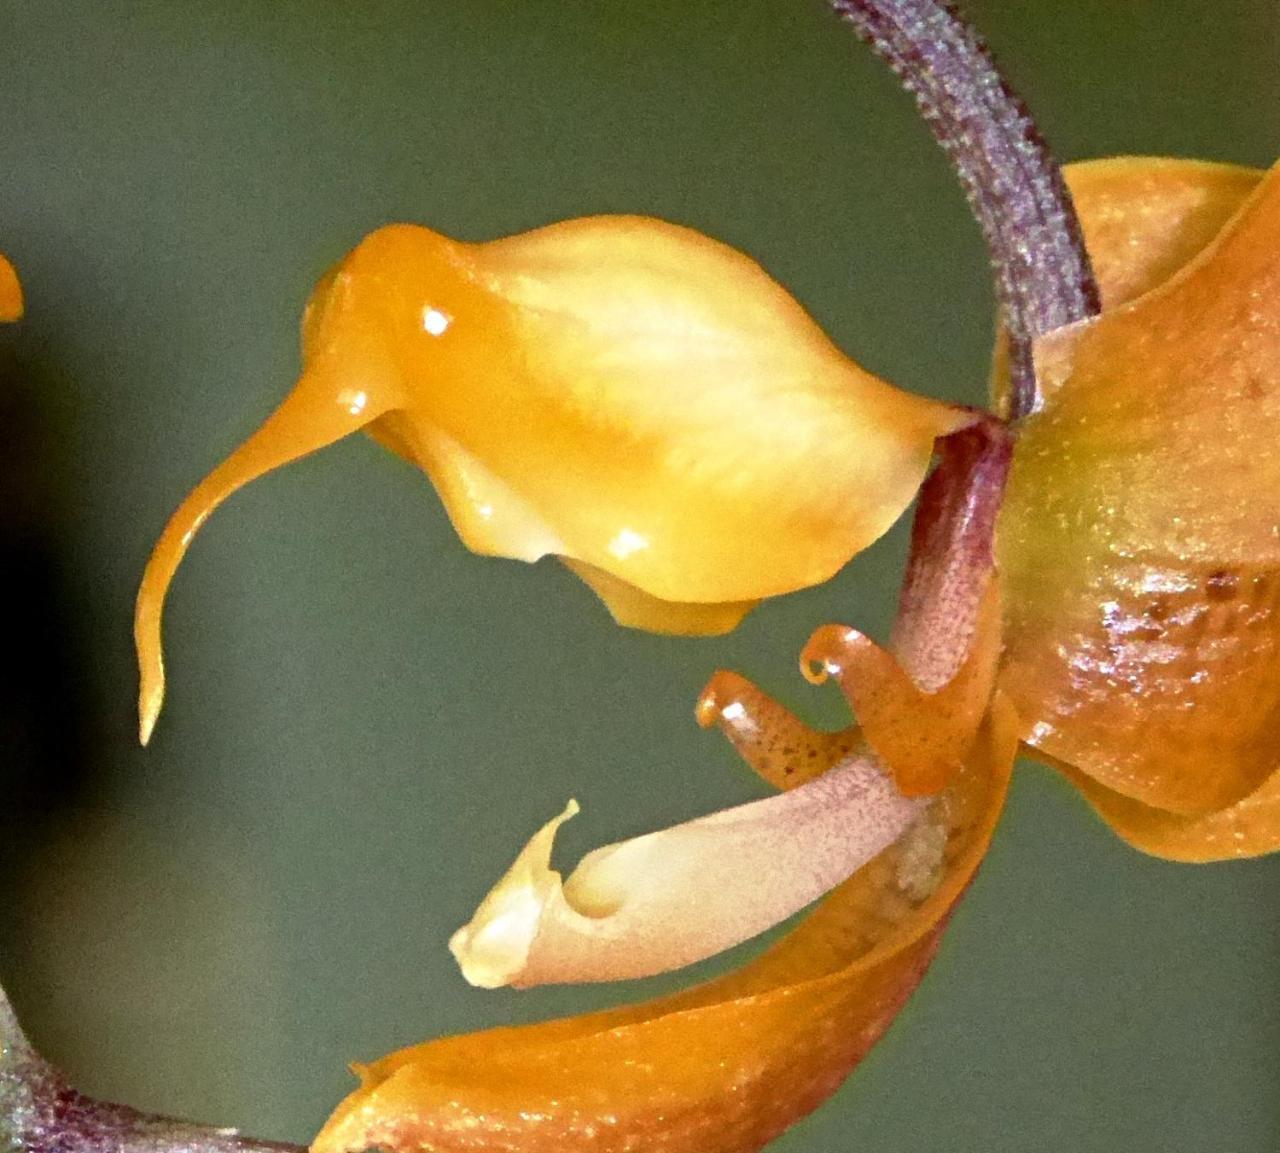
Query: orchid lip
x=671 y=898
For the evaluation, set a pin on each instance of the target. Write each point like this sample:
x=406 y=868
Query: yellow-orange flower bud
x=628 y=395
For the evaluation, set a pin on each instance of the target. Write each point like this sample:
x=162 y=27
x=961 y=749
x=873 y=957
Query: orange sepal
x=721 y=1068
x=1138 y=539
x=1143 y=218
x=10 y=292
x=1249 y=828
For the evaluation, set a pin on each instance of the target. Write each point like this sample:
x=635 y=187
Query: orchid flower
x=1122 y=626
x=1093 y=573
x=632 y=397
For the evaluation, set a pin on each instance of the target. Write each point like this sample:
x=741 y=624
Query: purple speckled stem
x=41 y=1113
x=952 y=553
x=1016 y=191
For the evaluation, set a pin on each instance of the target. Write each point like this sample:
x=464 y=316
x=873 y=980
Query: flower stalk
x=41 y=1113
x=1042 y=272
x=1044 y=281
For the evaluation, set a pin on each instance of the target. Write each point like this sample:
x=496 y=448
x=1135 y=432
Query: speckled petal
x=921 y=736
x=769 y=737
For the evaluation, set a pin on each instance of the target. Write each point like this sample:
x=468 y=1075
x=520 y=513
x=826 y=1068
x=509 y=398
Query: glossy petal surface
x=721 y=1068
x=1141 y=536
x=1249 y=828
x=702 y=439
x=621 y=392
x=636 y=609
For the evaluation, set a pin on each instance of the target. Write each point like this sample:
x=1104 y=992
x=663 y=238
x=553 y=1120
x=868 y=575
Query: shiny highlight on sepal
x=626 y=394
x=1138 y=540
x=725 y=1066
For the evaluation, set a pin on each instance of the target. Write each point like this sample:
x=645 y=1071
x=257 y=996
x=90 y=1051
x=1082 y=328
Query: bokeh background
x=364 y=720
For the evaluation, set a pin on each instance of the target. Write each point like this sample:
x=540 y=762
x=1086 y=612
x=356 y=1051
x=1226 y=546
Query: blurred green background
x=365 y=721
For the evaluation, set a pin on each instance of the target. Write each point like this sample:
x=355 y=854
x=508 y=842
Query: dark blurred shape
x=43 y=705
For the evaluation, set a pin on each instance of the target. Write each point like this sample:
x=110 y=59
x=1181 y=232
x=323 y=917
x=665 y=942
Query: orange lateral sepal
x=10 y=292
x=1249 y=828
x=1138 y=539
x=721 y=1068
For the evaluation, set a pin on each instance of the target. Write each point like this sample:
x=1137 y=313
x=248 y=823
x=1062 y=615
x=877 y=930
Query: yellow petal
x=489 y=516
x=617 y=391
x=10 y=292
x=319 y=412
x=721 y=1068
x=690 y=428
x=1141 y=534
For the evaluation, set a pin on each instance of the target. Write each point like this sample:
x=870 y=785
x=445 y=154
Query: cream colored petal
x=667 y=899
